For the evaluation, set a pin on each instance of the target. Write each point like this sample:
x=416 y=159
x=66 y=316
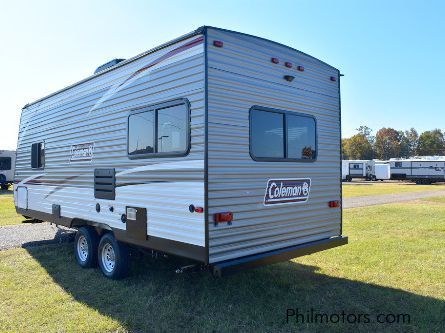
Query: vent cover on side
x=104 y=184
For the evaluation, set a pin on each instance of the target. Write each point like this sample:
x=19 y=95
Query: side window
x=5 y=163
x=172 y=129
x=282 y=136
x=159 y=130
x=398 y=164
x=38 y=155
x=141 y=133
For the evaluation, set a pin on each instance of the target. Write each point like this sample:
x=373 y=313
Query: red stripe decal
x=165 y=56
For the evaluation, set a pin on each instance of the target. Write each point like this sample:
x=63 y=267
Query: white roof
x=419 y=159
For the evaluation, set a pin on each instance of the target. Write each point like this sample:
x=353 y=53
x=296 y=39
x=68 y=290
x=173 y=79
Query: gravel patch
x=34 y=234
x=372 y=200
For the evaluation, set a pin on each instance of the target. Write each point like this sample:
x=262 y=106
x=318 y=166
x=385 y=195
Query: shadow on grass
x=154 y=298
x=8 y=191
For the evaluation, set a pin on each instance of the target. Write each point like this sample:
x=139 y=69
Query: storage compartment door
x=136 y=223
x=22 y=197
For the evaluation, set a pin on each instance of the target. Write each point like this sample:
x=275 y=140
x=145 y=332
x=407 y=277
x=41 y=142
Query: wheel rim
x=82 y=248
x=108 y=258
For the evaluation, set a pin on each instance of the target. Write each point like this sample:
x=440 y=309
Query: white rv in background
x=7 y=167
x=219 y=147
x=357 y=169
x=421 y=170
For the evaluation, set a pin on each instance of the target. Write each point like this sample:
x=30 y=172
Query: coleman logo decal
x=286 y=191
x=82 y=152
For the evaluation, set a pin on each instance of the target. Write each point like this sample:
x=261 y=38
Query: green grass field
x=440 y=200
x=366 y=189
x=8 y=216
x=394 y=264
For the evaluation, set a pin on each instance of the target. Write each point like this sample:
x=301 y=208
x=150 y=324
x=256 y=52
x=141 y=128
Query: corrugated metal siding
x=81 y=114
x=241 y=75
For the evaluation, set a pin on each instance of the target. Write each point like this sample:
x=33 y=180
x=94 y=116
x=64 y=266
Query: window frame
x=154 y=108
x=42 y=161
x=285 y=133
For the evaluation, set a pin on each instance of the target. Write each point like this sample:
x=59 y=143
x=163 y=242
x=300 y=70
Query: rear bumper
x=271 y=257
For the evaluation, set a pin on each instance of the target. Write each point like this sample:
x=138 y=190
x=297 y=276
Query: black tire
x=109 y=249
x=348 y=178
x=85 y=247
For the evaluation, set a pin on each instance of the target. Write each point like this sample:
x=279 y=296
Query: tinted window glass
x=42 y=154
x=141 y=133
x=267 y=134
x=5 y=163
x=272 y=131
x=38 y=155
x=300 y=137
x=159 y=130
x=172 y=129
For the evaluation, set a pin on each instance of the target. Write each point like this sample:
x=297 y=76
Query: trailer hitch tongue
x=188 y=268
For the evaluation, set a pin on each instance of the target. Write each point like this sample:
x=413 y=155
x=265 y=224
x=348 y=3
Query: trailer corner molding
x=287 y=191
x=82 y=152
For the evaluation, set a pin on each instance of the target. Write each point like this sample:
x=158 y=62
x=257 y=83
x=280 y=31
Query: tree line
x=391 y=143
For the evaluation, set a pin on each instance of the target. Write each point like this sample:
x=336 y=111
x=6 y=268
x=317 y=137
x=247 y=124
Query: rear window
x=5 y=163
x=277 y=135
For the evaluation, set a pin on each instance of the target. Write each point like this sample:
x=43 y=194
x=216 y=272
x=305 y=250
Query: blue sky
x=391 y=52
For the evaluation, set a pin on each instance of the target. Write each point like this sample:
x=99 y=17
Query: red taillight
x=300 y=68
x=334 y=204
x=199 y=210
x=223 y=217
x=275 y=60
x=288 y=64
x=218 y=43
x=333 y=78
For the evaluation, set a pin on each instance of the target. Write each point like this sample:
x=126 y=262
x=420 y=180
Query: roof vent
x=109 y=64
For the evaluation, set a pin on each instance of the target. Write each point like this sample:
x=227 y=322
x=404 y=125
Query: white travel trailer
x=218 y=146
x=357 y=169
x=420 y=170
x=7 y=166
x=381 y=171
